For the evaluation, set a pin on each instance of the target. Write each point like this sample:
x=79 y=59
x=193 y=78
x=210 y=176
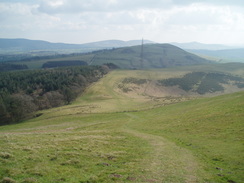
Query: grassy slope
x=193 y=141
x=154 y=56
x=211 y=128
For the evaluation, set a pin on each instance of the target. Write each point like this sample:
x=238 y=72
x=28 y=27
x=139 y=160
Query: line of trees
x=24 y=92
x=10 y=67
x=53 y=64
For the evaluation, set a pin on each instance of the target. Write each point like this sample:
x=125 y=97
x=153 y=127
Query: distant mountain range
x=26 y=45
x=219 y=52
x=235 y=54
x=32 y=45
x=201 y=46
x=126 y=57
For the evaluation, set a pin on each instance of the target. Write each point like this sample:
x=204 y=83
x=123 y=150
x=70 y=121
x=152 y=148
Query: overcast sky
x=82 y=21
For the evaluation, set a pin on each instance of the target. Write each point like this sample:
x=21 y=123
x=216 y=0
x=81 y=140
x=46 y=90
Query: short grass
x=78 y=149
x=210 y=128
x=106 y=136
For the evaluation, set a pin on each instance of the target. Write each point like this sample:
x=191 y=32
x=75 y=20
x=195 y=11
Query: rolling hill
x=17 y=49
x=110 y=136
x=147 y=125
x=154 y=56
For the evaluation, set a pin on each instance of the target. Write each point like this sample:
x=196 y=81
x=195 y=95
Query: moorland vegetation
x=202 y=82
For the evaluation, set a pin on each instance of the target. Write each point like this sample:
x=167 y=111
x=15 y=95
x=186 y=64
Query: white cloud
x=80 y=21
x=77 y=6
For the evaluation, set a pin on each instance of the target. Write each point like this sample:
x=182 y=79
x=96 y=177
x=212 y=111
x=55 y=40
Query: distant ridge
x=26 y=45
x=228 y=53
x=217 y=52
x=115 y=43
x=201 y=46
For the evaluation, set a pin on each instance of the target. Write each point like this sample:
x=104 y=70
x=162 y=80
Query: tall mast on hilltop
x=142 y=53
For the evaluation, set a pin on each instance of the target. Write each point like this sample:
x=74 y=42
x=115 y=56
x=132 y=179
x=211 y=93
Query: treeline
x=202 y=82
x=10 y=67
x=42 y=55
x=53 y=64
x=23 y=92
x=30 y=56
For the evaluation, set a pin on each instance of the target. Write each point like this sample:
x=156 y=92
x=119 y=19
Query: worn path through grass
x=106 y=136
x=167 y=161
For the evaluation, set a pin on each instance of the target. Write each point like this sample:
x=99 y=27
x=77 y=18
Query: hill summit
x=147 y=56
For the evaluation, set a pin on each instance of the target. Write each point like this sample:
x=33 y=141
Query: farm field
x=129 y=132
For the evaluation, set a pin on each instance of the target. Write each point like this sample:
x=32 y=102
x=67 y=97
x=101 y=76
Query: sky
x=162 y=21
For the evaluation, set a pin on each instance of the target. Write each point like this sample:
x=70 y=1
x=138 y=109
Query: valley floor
x=107 y=135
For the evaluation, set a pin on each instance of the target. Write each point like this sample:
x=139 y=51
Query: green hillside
x=108 y=135
x=154 y=56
